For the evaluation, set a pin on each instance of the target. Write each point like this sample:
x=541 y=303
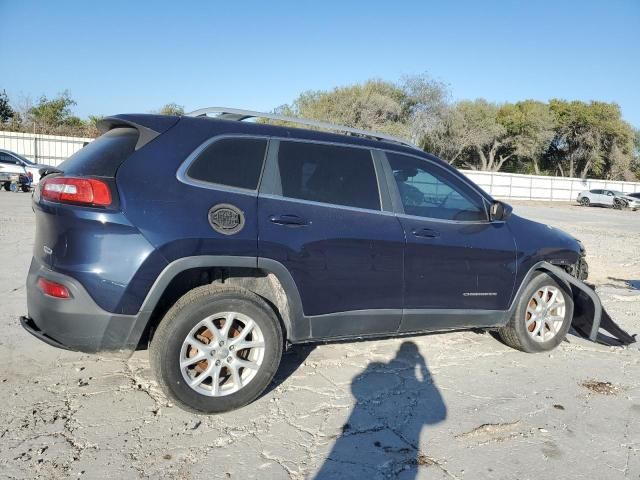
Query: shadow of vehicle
x=394 y=401
x=291 y=361
x=632 y=284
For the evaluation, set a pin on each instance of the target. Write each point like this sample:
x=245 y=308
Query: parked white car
x=15 y=163
x=608 y=198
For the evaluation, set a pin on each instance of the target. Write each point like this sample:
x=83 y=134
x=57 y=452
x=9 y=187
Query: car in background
x=634 y=195
x=608 y=198
x=32 y=169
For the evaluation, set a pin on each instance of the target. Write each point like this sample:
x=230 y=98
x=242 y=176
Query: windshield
x=616 y=192
x=21 y=158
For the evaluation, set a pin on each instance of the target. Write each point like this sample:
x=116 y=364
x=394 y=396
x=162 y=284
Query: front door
x=321 y=218
x=455 y=258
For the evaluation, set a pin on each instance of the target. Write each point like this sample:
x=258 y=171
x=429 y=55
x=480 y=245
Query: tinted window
x=596 y=192
x=429 y=191
x=329 y=174
x=234 y=162
x=6 y=158
x=104 y=155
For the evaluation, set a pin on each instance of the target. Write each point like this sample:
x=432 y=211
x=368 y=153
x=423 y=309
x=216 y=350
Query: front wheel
x=542 y=316
x=584 y=201
x=216 y=349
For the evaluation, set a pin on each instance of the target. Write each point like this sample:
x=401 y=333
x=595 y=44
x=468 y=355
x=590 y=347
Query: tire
x=178 y=340
x=619 y=204
x=584 y=201
x=7 y=186
x=530 y=338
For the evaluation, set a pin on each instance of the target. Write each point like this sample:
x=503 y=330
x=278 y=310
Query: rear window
x=103 y=156
x=233 y=162
x=328 y=174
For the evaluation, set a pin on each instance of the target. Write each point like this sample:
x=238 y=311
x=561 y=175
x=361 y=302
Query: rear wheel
x=542 y=317
x=584 y=201
x=216 y=349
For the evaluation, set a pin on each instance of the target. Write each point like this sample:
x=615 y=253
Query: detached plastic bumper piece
x=589 y=316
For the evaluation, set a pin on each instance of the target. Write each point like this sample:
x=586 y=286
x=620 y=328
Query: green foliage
x=590 y=138
x=6 y=112
x=172 y=109
x=54 y=112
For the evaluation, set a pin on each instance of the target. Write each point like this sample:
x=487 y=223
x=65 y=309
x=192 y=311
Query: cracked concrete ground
x=452 y=406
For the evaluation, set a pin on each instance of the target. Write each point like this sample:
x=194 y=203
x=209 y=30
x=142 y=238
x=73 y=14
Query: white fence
x=537 y=187
x=44 y=149
x=53 y=149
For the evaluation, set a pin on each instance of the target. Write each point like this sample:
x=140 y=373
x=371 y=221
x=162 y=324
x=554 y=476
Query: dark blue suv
x=218 y=242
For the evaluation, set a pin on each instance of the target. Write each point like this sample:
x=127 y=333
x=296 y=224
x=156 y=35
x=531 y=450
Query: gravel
x=452 y=406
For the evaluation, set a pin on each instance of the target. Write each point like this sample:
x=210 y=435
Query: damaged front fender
x=589 y=316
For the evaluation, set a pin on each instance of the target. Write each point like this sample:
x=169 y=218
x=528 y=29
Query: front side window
x=233 y=162
x=429 y=191
x=328 y=174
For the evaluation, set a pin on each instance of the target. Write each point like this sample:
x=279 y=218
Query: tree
x=406 y=109
x=427 y=105
x=488 y=138
x=590 y=138
x=530 y=126
x=449 y=138
x=6 y=112
x=54 y=112
x=172 y=109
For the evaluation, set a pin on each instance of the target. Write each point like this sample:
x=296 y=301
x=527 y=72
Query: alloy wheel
x=222 y=354
x=545 y=313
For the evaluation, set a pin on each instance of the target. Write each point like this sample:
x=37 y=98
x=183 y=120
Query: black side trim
x=355 y=323
x=298 y=327
x=296 y=324
x=429 y=320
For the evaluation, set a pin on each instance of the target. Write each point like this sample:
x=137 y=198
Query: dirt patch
x=494 y=433
x=601 y=388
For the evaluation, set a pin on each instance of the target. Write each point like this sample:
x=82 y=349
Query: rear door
x=455 y=258
x=320 y=214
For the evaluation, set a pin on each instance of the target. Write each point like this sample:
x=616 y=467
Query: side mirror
x=499 y=211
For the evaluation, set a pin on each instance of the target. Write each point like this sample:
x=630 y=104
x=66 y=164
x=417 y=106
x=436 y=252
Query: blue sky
x=129 y=56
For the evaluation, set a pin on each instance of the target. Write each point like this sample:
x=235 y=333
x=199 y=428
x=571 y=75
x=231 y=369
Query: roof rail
x=225 y=113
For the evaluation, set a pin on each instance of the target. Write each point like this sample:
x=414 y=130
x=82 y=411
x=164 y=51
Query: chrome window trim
x=380 y=176
x=183 y=177
x=324 y=204
x=484 y=197
x=377 y=173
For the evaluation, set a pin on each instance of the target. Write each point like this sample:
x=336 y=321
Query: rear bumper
x=77 y=323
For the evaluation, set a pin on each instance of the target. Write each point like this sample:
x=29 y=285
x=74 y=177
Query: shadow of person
x=381 y=438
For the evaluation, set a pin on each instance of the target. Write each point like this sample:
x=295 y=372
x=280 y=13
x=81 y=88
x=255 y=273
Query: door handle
x=289 y=220
x=425 y=233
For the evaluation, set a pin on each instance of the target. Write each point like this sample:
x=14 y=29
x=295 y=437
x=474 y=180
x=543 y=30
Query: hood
x=539 y=241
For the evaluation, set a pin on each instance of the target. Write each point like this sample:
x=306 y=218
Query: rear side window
x=233 y=162
x=103 y=156
x=329 y=174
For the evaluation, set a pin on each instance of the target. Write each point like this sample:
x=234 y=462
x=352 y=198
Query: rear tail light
x=53 y=289
x=85 y=191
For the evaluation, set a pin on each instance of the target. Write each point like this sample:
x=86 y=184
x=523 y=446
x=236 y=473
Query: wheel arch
x=581 y=294
x=267 y=278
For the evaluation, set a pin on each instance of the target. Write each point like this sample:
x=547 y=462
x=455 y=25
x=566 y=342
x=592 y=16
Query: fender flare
x=570 y=282
x=296 y=325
